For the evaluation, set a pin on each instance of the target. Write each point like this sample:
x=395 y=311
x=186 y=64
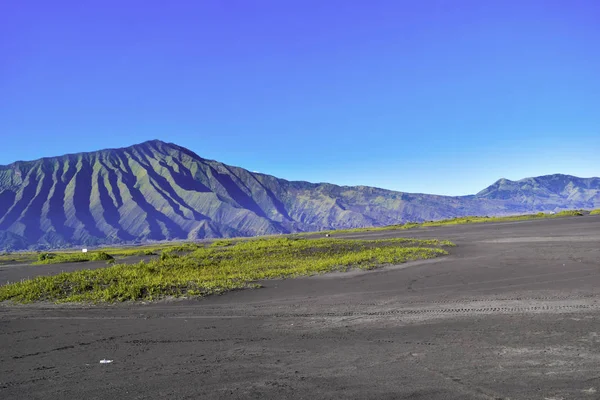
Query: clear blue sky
x=427 y=96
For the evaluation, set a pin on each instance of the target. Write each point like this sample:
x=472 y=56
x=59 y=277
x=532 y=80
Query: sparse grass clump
x=469 y=220
x=222 y=243
x=59 y=258
x=212 y=270
x=101 y=256
x=20 y=257
x=169 y=255
x=146 y=253
x=459 y=221
x=135 y=251
x=595 y=212
x=183 y=247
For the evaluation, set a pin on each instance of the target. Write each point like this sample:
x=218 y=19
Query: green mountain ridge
x=161 y=191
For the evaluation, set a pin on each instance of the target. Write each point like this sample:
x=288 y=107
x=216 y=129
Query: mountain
x=547 y=192
x=161 y=191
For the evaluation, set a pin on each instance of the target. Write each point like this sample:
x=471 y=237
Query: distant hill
x=547 y=192
x=161 y=191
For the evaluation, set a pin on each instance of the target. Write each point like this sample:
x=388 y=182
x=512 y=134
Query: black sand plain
x=512 y=313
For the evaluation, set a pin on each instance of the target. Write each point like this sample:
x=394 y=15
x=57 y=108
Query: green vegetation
x=215 y=269
x=17 y=258
x=468 y=220
x=458 y=221
x=105 y=254
x=151 y=250
x=222 y=243
x=59 y=258
x=595 y=212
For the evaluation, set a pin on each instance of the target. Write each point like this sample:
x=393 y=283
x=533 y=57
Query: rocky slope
x=161 y=191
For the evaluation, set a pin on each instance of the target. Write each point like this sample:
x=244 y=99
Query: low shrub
x=222 y=243
x=46 y=256
x=101 y=256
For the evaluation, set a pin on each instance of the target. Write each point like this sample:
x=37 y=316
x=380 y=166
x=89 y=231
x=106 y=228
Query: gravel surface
x=512 y=313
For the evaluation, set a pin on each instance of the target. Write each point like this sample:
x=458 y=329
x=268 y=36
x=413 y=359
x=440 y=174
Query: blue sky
x=427 y=96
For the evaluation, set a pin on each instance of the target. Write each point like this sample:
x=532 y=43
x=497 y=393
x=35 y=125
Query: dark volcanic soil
x=512 y=313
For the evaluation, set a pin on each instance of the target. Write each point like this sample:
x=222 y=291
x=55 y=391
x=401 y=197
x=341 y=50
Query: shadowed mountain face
x=160 y=191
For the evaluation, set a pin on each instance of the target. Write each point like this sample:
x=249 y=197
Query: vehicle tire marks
x=62 y=348
x=414 y=302
x=8 y=385
x=43 y=352
x=519 y=305
x=475 y=300
x=341 y=338
x=431 y=311
x=215 y=340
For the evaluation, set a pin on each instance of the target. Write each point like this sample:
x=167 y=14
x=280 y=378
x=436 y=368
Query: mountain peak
x=541 y=187
x=550 y=177
x=150 y=143
x=156 y=190
x=147 y=142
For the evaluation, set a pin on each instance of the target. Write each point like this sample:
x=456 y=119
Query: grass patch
x=59 y=258
x=457 y=221
x=151 y=250
x=469 y=220
x=104 y=254
x=222 y=243
x=17 y=258
x=210 y=270
x=595 y=212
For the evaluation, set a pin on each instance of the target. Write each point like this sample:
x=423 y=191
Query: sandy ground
x=512 y=313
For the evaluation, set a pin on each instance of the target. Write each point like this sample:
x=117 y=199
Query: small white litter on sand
x=106 y=361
